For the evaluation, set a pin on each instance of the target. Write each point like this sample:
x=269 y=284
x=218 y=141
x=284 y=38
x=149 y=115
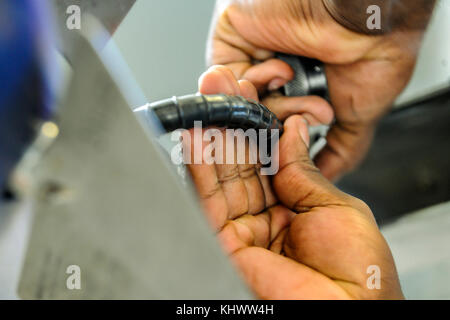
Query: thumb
x=275 y=277
x=299 y=184
x=269 y=75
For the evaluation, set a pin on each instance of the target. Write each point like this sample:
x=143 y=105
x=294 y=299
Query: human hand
x=296 y=237
x=365 y=73
x=232 y=190
x=228 y=191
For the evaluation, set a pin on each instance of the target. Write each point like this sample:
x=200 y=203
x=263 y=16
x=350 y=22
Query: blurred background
x=405 y=179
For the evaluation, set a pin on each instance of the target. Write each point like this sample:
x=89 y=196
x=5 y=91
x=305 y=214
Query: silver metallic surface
x=110 y=13
x=298 y=86
x=309 y=78
x=110 y=203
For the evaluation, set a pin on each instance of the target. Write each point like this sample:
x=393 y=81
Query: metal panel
x=110 y=13
x=109 y=202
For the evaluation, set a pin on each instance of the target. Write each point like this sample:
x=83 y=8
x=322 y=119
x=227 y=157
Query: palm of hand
x=283 y=254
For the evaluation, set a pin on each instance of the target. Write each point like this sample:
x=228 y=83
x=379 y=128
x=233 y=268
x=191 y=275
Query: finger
x=258 y=186
x=226 y=190
x=315 y=109
x=248 y=172
x=229 y=175
x=277 y=245
x=240 y=183
x=239 y=68
x=261 y=269
x=255 y=230
x=266 y=183
x=248 y=90
x=227 y=45
x=270 y=75
x=205 y=179
x=218 y=79
x=345 y=149
x=307 y=187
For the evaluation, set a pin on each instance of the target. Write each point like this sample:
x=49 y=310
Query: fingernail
x=276 y=84
x=304 y=132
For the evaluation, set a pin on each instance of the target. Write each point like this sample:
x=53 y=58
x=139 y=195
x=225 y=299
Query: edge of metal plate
x=108 y=201
x=109 y=13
